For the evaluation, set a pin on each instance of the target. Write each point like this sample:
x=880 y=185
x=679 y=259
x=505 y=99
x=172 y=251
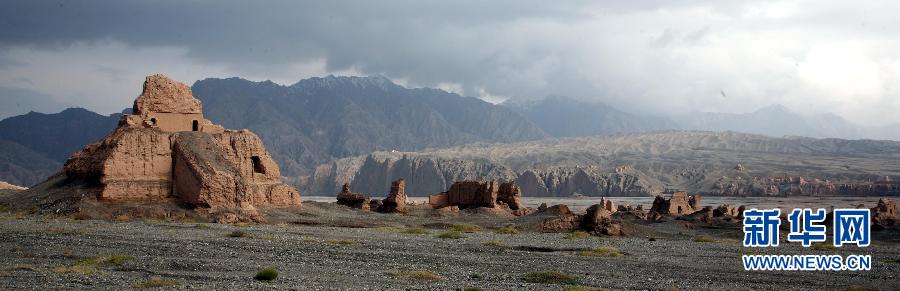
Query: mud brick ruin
x=167 y=151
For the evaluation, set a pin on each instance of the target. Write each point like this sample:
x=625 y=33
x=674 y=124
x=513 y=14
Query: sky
x=641 y=56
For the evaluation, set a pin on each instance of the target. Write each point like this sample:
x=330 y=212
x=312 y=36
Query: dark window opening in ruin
x=257 y=165
x=196 y=125
x=153 y=121
x=679 y=209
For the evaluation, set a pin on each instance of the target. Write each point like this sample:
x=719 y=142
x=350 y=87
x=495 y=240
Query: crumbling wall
x=130 y=164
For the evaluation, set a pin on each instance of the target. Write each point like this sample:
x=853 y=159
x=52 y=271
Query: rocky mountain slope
x=319 y=119
x=33 y=146
x=633 y=164
x=566 y=117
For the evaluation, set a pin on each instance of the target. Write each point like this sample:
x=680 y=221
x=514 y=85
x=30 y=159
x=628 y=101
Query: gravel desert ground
x=326 y=250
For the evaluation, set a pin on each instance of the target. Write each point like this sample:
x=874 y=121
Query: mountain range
x=316 y=121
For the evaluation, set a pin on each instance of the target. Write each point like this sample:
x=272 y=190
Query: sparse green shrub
x=92 y=265
x=450 y=235
x=476 y=276
x=340 y=241
x=704 y=239
x=578 y=234
x=155 y=283
x=550 y=277
x=238 y=233
x=601 y=252
x=414 y=230
x=506 y=230
x=464 y=227
x=474 y=289
x=266 y=274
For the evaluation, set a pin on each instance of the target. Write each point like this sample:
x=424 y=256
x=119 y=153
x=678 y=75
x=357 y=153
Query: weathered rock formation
x=355 y=200
x=885 y=215
x=167 y=151
x=472 y=194
x=8 y=186
x=557 y=218
x=599 y=219
x=511 y=195
x=608 y=205
x=678 y=204
x=396 y=200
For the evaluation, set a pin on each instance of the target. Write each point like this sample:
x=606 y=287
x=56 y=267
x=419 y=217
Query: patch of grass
x=821 y=246
x=238 y=233
x=495 y=243
x=201 y=226
x=92 y=265
x=858 y=288
x=601 y=252
x=419 y=275
x=578 y=234
x=506 y=230
x=465 y=227
x=155 y=283
x=414 y=230
x=450 y=235
x=339 y=241
x=890 y=261
x=266 y=274
x=583 y=288
x=704 y=239
x=550 y=277
x=476 y=276
x=474 y=289
x=122 y=218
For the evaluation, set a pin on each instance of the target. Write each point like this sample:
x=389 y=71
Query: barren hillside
x=725 y=163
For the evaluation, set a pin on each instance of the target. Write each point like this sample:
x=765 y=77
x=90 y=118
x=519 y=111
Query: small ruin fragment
x=395 y=201
x=351 y=199
x=680 y=203
x=885 y=215
x=472 y=194
x=166 y=150
x=599 y=219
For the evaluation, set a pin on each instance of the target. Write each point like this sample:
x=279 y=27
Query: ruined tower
x=166 y=151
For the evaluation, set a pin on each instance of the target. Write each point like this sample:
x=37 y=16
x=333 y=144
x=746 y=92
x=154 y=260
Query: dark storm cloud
x=640 y=55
